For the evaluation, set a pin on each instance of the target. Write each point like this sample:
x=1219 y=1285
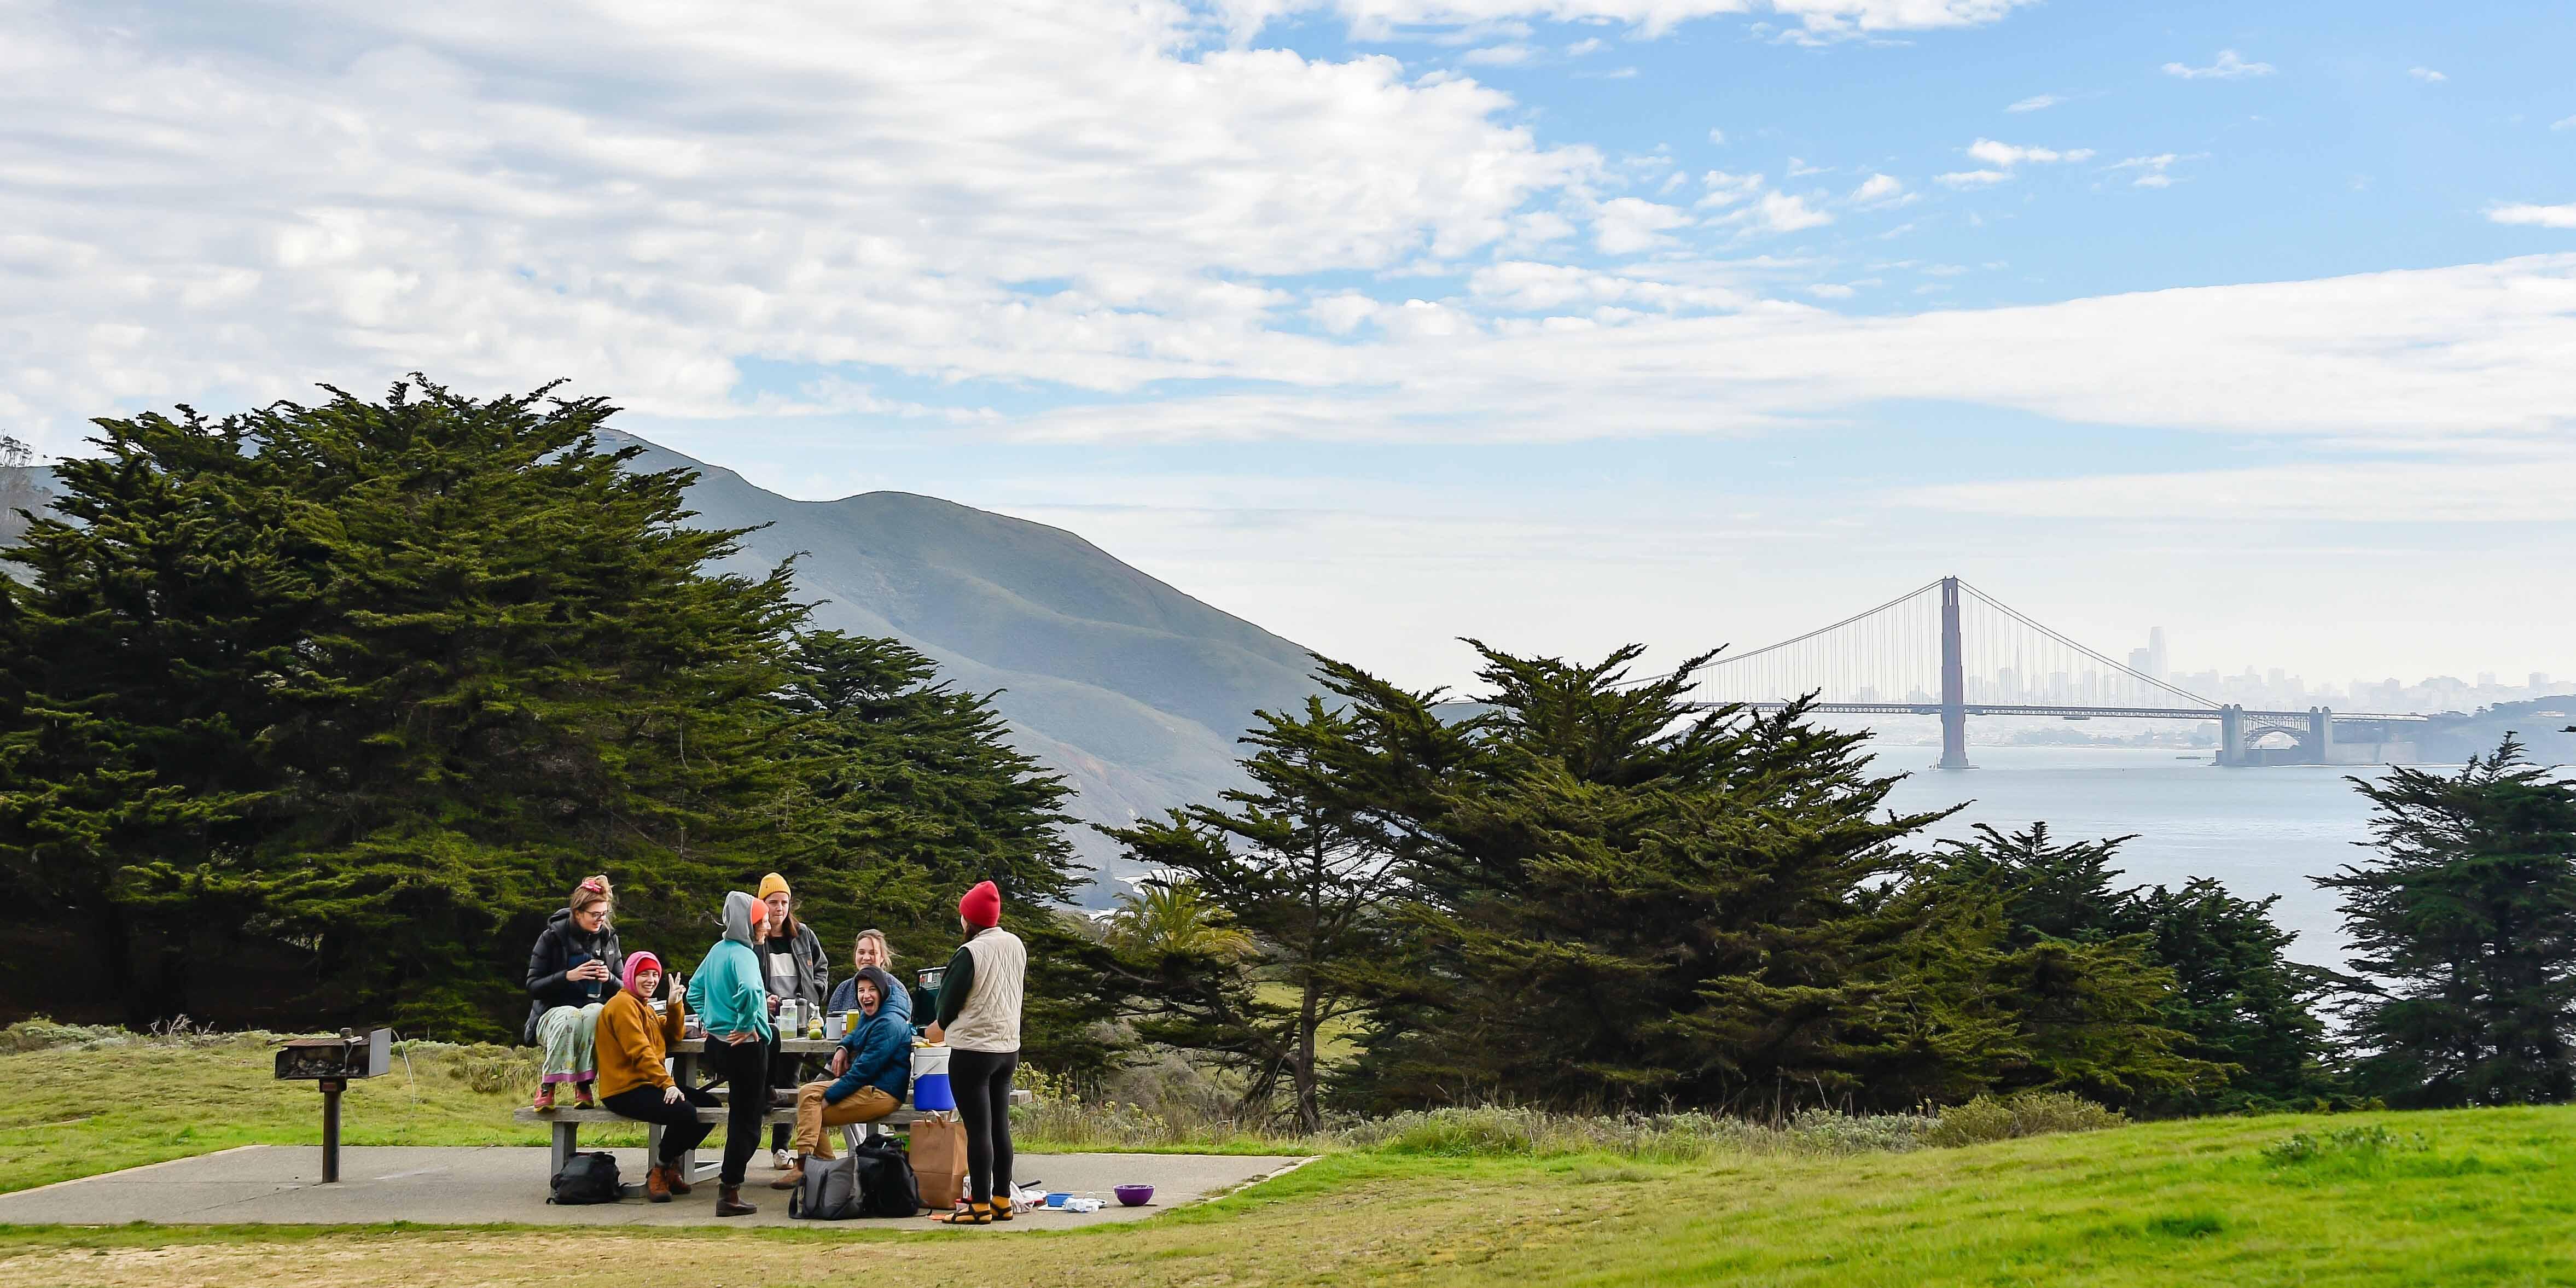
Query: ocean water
x=2259 y=831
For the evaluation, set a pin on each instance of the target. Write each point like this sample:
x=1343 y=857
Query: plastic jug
x=930 y=1090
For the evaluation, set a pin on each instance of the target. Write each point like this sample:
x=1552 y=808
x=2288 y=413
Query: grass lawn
x=2488 y=1198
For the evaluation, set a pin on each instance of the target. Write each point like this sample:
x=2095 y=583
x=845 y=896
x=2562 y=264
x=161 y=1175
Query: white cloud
x=1879 y=190
x=2443 y=356
x=2152 y=171
x=1587 y=45
x=2001 y=158
x=2564 y=123
x=1815 y=19
x=2006 y=155
x=1512 y=55
x=2528 y=490
x=2229 y=66
x=1718 y=136
x=1726 y=189
x=2036 y=102
x=1626 y=225
x=1831 y=291
x=2427 y=75
x=677 y=190
x=1779 y=212
x=2537 y=216
x=1799 y=169
x=1342 y=313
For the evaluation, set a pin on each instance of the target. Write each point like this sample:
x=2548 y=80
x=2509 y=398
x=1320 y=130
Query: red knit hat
x=982 y=905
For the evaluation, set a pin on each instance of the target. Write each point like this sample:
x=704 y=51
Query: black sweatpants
x=744 y=1069
x=681 y=1130
x=982 y=1082
x=785 y=1073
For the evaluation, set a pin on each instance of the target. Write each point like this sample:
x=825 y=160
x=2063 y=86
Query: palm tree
x=1161 y=917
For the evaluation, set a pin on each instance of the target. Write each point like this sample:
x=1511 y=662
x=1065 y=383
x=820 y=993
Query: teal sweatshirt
x=728 y=992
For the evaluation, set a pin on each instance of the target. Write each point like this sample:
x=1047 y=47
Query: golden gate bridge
x=1950 y=650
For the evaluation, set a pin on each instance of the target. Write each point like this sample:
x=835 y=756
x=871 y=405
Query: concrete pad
x=281 y=1184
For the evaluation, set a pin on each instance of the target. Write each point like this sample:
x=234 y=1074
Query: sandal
x=971 y=1214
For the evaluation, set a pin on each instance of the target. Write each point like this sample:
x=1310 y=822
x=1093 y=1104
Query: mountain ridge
x=1127 y=686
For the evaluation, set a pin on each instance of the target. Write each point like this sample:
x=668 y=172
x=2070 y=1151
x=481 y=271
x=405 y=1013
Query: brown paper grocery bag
x=939 y=1161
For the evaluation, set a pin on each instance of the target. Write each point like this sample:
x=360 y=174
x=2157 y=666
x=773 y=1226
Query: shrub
x=2359 y=1144
x=40 y=1034
x=488 y=1069
x=2028 y=1113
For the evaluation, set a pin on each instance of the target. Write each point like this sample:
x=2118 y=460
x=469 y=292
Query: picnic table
x=685 y=1056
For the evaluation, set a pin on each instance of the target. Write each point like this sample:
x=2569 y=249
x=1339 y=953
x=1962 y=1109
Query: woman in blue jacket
x=730 y=994
x=876 y=1063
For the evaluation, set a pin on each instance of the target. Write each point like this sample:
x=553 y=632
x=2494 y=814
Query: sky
x=1555 y=323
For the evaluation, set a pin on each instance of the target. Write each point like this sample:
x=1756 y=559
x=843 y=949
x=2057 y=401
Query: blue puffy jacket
x=880 y=1056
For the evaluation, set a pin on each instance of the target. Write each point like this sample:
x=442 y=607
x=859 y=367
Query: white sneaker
x=781 y=1159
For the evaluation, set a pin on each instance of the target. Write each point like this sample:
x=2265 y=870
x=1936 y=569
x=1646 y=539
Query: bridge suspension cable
x=1900 y=653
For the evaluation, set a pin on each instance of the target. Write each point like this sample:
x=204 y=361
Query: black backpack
x=833 y=1191
x=587 y=1178
x=889 y=1184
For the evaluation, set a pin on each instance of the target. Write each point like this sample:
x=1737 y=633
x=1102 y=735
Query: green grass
x=73 y=1111
x=2368 y=1200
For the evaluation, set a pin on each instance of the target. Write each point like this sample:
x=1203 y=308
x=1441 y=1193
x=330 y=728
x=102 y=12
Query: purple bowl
x=1134 y=1195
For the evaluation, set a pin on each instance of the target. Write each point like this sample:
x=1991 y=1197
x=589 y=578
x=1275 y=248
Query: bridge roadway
x=2312 y=731
x=2063 y=712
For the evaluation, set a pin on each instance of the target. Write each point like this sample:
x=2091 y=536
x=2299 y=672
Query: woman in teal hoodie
x=731 y=998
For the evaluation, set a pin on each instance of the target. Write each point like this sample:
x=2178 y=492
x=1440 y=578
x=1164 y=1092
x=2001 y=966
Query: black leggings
x=785 y=1073
x=681 y=1130
x=744 y=1069
x=982 y=1082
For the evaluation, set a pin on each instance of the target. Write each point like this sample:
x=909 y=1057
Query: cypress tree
x=2463 y=989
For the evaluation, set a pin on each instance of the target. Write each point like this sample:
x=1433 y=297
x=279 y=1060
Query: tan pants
x=865 y=1105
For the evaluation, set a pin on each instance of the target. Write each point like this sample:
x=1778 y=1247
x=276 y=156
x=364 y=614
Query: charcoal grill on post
x=330 y=1063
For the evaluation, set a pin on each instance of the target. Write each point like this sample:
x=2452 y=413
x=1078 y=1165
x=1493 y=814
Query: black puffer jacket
x=560 y=947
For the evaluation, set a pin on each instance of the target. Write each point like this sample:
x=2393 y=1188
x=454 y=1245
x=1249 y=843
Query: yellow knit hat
x=772 y=884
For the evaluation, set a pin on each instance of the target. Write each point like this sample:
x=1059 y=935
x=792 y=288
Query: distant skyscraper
x=2156 y=660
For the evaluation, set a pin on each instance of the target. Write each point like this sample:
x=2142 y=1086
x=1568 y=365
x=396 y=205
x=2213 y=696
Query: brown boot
x=792 y=1177
x=657 y=1184
x=729 y=1202
x=677 y=1179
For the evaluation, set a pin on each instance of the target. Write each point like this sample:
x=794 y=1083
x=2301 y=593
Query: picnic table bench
x=567 y=1121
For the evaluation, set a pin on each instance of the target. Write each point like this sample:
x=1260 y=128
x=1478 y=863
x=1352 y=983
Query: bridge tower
x=2231 y=734
x=1954 y=683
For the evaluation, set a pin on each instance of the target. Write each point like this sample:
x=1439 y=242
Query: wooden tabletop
x=792 y=1046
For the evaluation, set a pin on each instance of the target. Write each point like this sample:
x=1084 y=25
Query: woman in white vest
x=979 y=1019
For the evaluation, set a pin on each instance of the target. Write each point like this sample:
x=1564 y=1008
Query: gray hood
x=738 y=917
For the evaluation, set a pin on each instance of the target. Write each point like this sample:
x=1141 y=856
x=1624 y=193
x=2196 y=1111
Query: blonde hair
x=882 y=946
x=592 y=890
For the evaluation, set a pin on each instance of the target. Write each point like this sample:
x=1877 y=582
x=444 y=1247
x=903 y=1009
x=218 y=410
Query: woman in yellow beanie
x=793 y=963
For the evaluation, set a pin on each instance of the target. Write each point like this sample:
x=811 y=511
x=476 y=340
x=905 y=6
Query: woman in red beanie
x=979 y=1018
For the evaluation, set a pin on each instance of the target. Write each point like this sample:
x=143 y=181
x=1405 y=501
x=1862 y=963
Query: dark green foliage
x=2224 y=997
x=1302 y=869
x=373 y=683
x=906 y=794
x=2464 y=928
x=1615 y=899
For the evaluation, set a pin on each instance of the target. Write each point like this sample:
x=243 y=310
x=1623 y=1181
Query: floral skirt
x=567 y=1034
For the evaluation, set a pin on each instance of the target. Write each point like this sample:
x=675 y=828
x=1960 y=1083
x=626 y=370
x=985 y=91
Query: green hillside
x=1133 y=690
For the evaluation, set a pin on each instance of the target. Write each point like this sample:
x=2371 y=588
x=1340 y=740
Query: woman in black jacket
x=574 y=967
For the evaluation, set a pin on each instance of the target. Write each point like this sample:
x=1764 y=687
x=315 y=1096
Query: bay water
x=2259 y=831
